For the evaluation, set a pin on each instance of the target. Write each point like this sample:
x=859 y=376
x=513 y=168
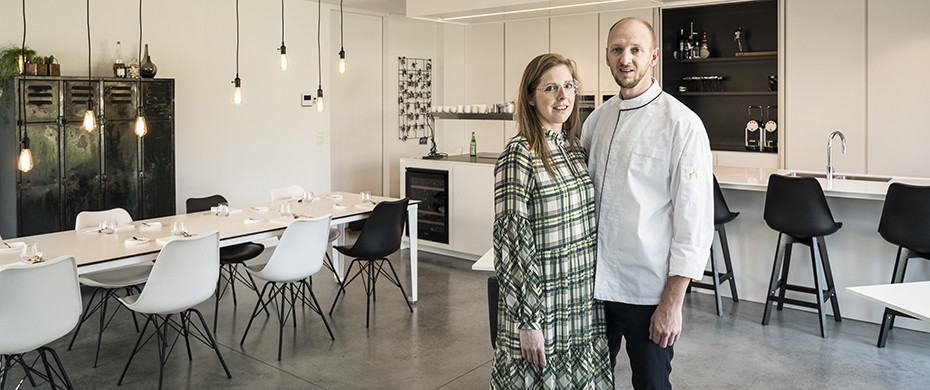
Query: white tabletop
x=908 y=298
x=486 y=262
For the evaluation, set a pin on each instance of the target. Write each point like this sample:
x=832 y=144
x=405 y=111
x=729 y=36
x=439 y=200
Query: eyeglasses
x=552 y=89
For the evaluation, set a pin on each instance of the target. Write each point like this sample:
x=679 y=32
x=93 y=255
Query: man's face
x=630 y=55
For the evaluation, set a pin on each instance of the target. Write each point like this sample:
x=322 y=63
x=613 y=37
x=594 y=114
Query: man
x=651 y=163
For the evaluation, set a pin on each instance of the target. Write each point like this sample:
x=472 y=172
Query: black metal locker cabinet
x=158 y=185
x=80 y=152
x=121 y=147
x=39 y=190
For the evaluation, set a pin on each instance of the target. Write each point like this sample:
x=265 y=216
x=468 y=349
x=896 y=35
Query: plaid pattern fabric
x=544 y=247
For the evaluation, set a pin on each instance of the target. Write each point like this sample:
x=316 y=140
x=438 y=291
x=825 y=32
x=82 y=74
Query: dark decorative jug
x=147 y=69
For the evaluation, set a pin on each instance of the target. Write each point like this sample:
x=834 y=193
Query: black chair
x=494 y=291
x=798 y=210
x=905 y=222
x=380 y=237
x=230 y=257
x=722 y=215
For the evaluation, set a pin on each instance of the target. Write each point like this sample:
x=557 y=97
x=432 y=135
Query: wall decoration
x=414 y=97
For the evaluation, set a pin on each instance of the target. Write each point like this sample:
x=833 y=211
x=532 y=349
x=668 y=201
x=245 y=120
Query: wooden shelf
x=762 y=93
x=503 y=116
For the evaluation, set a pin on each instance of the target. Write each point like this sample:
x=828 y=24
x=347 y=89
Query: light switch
x=307 y=99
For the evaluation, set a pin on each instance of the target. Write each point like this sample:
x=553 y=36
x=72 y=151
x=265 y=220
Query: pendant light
x=140 y=112
x=342 y=50
x=319 y=54
x=283 y=48
x=237 y=95
x=90 y=120
x=24 y=162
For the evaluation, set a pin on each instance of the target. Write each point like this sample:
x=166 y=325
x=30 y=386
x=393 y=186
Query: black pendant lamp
x=90 y=120
x=24 y=162
x=140 y=112
x=283 y=48
x=342 y=50
x=237 y=95
x=319 y=54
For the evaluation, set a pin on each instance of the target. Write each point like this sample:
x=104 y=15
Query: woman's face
x=554 y=97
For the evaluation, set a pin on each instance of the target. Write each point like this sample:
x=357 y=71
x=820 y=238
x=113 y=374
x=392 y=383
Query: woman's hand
x=533 y=346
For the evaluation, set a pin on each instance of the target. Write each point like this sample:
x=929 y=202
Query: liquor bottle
x=473 y=147
x=119 y=68
x=705 y=51
x=689 y=45
x=682 y=44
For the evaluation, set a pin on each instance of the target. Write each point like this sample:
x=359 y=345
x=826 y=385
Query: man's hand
x=533 y=346
x=665 y=325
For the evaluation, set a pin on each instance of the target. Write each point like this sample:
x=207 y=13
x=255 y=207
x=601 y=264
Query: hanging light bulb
x=342 y=61
x=90 y=120
x=283 y=56
x=342 y=50
x=25 y=157
x=140 y=123
x=319 y=99
x=237 y=96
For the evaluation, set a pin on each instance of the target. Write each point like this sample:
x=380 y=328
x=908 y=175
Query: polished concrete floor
x=444 y=344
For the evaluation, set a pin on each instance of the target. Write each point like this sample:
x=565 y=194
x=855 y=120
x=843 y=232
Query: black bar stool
x=905 y=222
x=722 y=215
x=798 y=210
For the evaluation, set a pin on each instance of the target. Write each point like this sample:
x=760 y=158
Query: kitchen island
x=858 y=254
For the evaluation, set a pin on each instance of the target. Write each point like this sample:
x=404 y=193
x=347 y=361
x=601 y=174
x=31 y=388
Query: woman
x=551 y=331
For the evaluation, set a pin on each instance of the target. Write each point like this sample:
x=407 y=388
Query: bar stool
x=798 y=210
x=722 y=215
x=905 y=222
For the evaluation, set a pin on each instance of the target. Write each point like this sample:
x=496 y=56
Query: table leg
x=338 y=259
x=412 y=226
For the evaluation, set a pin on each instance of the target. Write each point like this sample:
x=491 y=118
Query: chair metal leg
x=319 y=310
x=818 y=289
x=400 y=285
x=776 y=266
x=61 y=369
x=185 y=318
x=211 y=339
x=84 y=317
x=345 y=284
x=135 y=349
x=897 y=276
x=258 y=305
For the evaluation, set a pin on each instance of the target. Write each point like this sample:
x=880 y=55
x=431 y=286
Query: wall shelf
x=505 y=116
x=761 y=93
x=772 y=57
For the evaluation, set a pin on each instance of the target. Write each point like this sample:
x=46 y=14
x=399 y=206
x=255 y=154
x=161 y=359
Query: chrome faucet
x=830 y=169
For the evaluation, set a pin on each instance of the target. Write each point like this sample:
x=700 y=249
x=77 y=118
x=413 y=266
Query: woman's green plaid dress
x=544 y=247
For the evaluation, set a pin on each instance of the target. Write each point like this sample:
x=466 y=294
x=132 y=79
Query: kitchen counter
x=859 y=256
x=482 y=158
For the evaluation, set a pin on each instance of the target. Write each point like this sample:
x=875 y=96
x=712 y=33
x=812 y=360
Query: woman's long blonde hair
x=528 y=125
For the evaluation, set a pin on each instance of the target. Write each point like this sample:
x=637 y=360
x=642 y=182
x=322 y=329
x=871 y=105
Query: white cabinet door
x=606 y=20
x=899 y=51
x=484 y=81
x=472 y=198
x=575 y=37
x=825 y=83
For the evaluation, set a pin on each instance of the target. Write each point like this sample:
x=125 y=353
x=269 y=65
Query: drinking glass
x=285 y=209
x=32 y=253
x=365 y=197
x=222 y=210
x=177 y=228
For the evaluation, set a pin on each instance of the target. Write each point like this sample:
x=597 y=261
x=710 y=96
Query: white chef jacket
x=653 y=178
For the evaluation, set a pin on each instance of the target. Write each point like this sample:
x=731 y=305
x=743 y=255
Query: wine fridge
x=431 y=188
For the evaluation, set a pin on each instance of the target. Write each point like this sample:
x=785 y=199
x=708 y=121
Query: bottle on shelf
x=705 y=51
x=473 y=146
x=682 y=44
x=119 y=67
x=132 y=69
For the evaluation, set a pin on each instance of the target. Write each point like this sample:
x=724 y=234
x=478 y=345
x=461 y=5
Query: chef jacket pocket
x=649 y=160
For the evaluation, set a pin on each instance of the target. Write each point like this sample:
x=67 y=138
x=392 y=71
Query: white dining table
x=143 y=240
x=908 y=298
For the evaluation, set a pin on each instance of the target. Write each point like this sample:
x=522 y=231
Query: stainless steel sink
x=879 y=179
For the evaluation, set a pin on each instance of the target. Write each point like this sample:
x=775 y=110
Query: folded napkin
x=149 y=226
x=14 y=246
x=251 y=220
x=117 y=230
x=282 y=220
x=136 y=241
x=338 y=206
x=334 y=197
x=259 y=209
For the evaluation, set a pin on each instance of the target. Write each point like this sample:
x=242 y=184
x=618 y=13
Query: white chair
x=296 y=191
x=39 y=303
x=107 y=283
x=184 y=275
x=296 y=258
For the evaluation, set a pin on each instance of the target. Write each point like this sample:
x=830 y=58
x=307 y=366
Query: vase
x=147 y=68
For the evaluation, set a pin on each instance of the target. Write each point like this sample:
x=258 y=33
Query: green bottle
x=473 y=148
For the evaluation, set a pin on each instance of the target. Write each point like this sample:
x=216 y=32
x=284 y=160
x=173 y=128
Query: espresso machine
x=770 y=135
x=753 y=134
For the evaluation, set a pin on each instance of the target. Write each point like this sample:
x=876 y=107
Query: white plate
x=251 y=220
x=15 y=246
x=338 y=206
x=260 y=209
x=150 y=226
x=334 y=197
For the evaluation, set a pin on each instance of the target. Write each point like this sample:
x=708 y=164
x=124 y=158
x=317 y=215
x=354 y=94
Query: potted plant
x=10 y=60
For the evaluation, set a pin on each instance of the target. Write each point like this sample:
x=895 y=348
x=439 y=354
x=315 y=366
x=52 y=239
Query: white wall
x=242 y=151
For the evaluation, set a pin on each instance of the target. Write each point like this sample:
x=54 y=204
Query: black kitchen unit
x=728 y=88
x=75 y=170
x=431 y=188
